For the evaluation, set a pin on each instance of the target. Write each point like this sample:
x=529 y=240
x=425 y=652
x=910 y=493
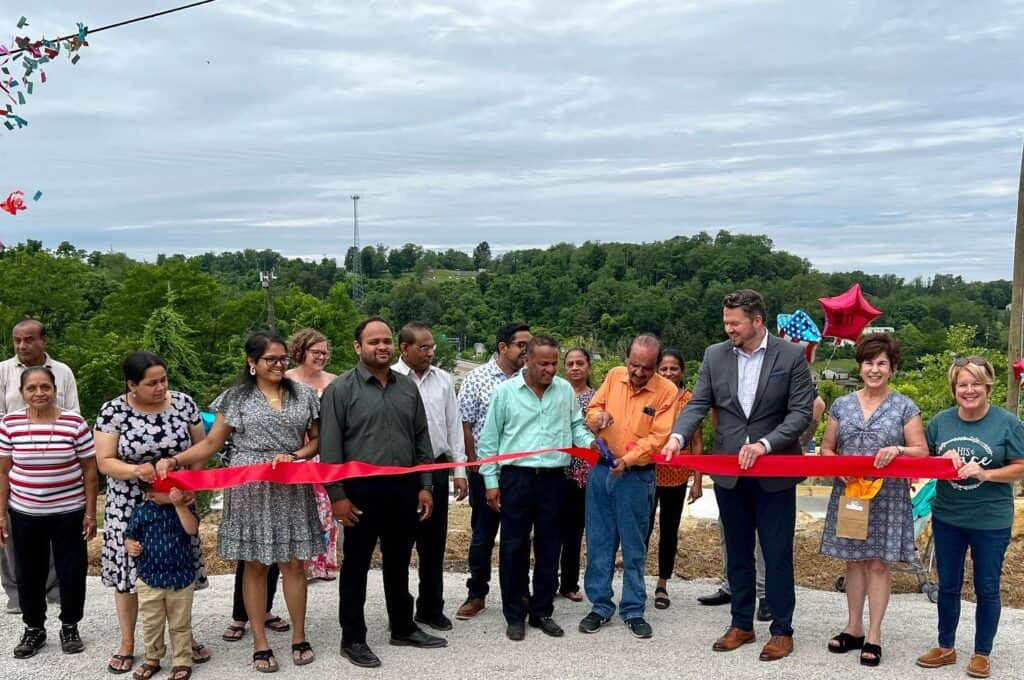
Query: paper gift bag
x=852 y=520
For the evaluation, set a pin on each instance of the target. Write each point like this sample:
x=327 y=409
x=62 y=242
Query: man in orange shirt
x=633 y=413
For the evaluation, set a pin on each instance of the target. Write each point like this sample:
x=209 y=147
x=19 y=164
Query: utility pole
x=357 y=259
x=267 y=281
x=1016 y=302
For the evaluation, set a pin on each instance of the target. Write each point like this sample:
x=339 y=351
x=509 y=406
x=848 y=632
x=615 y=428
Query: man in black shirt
x=374 y=415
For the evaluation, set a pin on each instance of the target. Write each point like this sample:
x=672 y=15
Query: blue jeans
x=618 y=512
x=988 y=547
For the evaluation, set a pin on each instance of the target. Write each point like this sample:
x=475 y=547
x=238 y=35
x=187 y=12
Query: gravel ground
x=478 y=649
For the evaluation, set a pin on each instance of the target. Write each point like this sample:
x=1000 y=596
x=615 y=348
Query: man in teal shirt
x=533 y=410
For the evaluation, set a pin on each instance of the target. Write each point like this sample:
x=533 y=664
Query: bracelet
x=93 y=517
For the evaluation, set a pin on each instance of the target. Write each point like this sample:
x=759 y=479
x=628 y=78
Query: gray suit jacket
x=781 y=411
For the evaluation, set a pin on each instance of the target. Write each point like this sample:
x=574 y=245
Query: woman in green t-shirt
x=986 y=443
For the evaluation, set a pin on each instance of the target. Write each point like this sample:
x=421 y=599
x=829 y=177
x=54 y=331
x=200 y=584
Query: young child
x=158 y=536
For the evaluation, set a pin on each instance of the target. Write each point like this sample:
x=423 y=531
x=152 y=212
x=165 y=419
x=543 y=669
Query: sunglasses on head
x=977 y=361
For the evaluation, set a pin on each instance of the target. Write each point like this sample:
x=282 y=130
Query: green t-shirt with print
x=992 y=441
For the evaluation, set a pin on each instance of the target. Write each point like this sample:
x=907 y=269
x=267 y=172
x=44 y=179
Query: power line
x=123 y=23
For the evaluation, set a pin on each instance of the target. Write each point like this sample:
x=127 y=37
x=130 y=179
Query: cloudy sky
x=881 y=135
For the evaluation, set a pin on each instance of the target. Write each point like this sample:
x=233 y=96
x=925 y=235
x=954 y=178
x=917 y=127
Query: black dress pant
x=431 y=540
x=34 y=537
x=531 y=500
x=746 y=509
x=388 y=506
x=671 y=499
x=574 y=516
x=484 y=523
x=238 y=604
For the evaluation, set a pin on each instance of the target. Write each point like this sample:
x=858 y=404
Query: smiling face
x=38 y=390
x=419 y=353
x=514 y=352
x=970 y=392
x=271 y=365
x=317 y=357
x=670 y=369
x=641 y=364
x=876 y=371
x=743 y=331
x=577 y=368
x=375 y=346
x=541 y=365
x=152 y=389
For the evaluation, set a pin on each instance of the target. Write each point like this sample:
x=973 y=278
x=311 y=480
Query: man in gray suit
x=760 y=387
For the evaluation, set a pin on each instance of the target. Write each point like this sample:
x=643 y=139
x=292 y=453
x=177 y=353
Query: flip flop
x=197 y=655
x=121 y=658
x=266 y=655
x=300 y=648
x=277 y=624
x=146 y=671
x=233 y=633
x=661 y=599
x=180 y=673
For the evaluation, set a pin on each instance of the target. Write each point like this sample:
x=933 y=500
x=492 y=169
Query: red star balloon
x=1018 y=370
x=847 y=314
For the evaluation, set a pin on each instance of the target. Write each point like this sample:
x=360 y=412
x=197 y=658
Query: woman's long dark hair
x=255 y=345
x=136 y=364
x=586 y=355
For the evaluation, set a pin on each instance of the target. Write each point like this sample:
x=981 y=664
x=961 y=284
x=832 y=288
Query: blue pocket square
x=776 y=374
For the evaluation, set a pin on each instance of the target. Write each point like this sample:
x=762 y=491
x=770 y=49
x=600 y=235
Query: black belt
x=534 y=470
x=642 y=468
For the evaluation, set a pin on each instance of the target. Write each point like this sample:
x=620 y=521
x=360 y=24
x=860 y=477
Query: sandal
x=870 y=655
x=267 y=657
x=277 y=624
x=200 y=654
x=148 y=669
x=181 y=672
x=119 y=669
x=661 y=600
x=232 y=633
x=844 y=643
x=298 y=650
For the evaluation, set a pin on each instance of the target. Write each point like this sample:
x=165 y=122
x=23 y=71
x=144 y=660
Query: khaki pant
x=157 y=605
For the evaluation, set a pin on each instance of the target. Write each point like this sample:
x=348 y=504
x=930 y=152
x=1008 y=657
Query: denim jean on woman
x=988 y=546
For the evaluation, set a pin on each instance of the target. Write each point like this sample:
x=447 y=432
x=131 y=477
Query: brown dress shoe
x=733 y=638
x=779 y=647
x=470 y=608
x=978 y=667
x=937 y=657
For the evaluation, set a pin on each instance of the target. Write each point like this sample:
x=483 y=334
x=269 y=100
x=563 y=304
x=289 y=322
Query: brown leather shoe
x=936 y=657
x=470 y=608
x=979 y=667
x=733 y=638
x=779 y=647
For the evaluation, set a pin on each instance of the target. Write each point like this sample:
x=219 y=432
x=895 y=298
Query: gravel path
x=479 y=649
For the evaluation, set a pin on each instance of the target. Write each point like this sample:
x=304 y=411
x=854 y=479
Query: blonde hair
x=302 y=340
x=979 y=368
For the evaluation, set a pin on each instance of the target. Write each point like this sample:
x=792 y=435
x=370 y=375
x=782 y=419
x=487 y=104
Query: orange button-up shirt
x=673 y=475
x=641 y=419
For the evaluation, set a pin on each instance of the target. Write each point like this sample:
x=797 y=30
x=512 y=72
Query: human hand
x=749 y=453
x=618 y=467
x=88 y=528
x=425 y=505
x=346 y=512
x=696 y=490
x=132 y=547
x=282 y=458
x=603 y=420
x=494 y=499
x=886 y=455
x=671 y=448
x=973 y=469
x=147 y=473
x=177 y=496
x=165 y=465
x=958 y=461
x=3 y=530
x=461 y=488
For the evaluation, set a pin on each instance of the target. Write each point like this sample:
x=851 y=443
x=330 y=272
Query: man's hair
x=407 y=335
x=540 y=341
x=366 y=322
x=645 y=340
x=39 y=324
x=506 y=332
x=750 y=301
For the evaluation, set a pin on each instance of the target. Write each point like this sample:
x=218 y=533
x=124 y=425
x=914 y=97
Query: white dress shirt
x=10 y=385
x=748 y=373
x=443 y=419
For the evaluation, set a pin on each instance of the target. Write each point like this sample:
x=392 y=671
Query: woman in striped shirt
x=48 y=485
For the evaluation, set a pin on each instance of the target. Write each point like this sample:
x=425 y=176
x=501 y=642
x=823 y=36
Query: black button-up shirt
x=362 y=420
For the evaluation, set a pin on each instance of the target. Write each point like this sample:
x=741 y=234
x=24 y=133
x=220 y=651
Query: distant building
x=479 y=349
x=835 y=374
x=874 y=330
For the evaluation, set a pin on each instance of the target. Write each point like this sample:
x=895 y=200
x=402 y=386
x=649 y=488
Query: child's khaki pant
x=157 y=605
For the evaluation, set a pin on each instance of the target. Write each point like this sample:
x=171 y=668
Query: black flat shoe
x=515 y=631
x=844 y=643
x=437 y=621
x=764 y=612
x=719 y=598
x=876 y=655
x=360 y=655
x=548 y=626
x=418 y=638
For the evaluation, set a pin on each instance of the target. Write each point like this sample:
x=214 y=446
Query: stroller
x=923 y=566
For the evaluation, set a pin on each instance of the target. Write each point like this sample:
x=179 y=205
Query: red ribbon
x=765 y=466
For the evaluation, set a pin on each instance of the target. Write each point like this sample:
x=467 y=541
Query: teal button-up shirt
x=517 y=420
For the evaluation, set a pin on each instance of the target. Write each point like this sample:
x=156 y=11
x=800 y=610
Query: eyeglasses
x=427 y=348
x=319 y=353
x=276 y=361
x=977 y=361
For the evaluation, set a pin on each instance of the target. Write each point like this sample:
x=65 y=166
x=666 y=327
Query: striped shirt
x=46 y=473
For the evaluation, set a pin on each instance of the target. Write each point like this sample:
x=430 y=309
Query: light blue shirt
x=518 y=420
x=748 y=372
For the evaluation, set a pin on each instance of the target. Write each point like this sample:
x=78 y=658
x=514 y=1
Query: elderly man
x=29 y=337
x=761 y=390
x=375 y=415
x=531 y=411
x=416 y=343
x=632 y=413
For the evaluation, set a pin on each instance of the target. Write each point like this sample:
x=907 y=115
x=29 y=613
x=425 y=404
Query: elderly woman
x=48 y=483
x=574 y=512
x=147 y=423
x=670 y=490
x=310 y=352
x=880 y=422
x=270 y=418
x=986 y=443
